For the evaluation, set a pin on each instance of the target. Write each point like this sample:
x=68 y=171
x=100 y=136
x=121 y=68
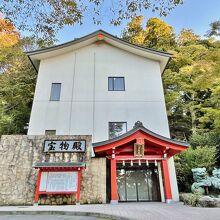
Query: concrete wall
x=86 y=106
x=17 y=177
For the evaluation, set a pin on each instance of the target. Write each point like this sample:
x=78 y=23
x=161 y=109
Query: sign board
x=138 y=150
x=64 y=146
x=59 y=182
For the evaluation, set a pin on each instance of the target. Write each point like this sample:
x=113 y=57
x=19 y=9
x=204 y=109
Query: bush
x=190 y=199
x=207 y=139
x=192 y=158
x=194 y=199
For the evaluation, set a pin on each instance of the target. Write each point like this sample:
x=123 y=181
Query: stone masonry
x=18 y=154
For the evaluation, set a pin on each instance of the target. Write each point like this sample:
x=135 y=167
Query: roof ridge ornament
x=138 y=124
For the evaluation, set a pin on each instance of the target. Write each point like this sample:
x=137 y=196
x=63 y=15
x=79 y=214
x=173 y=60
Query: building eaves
x=78 y=40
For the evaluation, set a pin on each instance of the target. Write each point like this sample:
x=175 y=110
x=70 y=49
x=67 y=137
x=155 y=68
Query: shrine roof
x=139 y=127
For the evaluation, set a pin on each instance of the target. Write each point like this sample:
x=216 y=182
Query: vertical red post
x=114 y=192
x=38 y=186
x=78 y=187
x=166 y=177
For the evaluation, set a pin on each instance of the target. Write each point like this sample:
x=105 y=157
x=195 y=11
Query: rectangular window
x=50 y=132
x=55 y=92
x=116 y=83
x=116 y=129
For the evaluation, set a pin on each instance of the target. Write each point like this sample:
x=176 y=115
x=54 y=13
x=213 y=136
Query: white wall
x=86 y=106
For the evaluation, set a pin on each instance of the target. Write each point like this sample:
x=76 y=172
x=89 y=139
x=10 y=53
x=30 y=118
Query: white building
x=100 y=85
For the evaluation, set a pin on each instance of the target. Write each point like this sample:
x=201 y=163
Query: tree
x=192 y=79
x=45 y=18
x=214 y=29
x=159 y=34
x=187 y=36
x=135 y=33
x=8 y=34
x=17 y=83
x=192 y=83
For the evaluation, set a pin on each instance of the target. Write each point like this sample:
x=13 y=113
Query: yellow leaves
x=159 y=28
x=8 y=35
x=187 y=36
x=135 y=33
x=157 y=34
x=138 y=39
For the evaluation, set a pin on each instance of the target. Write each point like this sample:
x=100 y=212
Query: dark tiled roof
x=78 y=40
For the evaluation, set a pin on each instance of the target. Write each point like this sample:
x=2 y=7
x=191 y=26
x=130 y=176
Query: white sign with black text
x=64 y=146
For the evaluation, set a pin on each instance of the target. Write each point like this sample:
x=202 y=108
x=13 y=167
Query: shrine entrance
x=136 y=184
x=138 y=168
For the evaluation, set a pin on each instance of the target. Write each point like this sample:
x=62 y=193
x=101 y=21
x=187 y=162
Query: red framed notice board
x=58 y=181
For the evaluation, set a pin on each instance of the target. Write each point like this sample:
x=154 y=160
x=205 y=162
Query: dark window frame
x=45 y=132
x=116 y=77
x=55 y=100
x=126 y=125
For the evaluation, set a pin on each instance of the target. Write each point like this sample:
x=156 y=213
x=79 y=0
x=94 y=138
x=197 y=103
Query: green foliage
x=193 y=199
x=214 y=29
x=17 y=83
x=193 y=158
x=192 y=79
x=192 y=85
x=208 y=139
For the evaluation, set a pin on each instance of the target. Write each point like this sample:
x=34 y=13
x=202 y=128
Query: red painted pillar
x=78 y=187
x=114 y=192
x=166 y=177
x=38 y=186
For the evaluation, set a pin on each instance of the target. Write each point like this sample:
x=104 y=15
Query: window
x=55 y=92
x=117 y=128
x=50 y=132
x=116 y=83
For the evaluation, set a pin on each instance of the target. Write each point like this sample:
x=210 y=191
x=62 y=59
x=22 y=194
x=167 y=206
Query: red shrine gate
x=131 y=156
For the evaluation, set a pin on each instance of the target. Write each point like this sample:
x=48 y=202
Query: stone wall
x=18 y=153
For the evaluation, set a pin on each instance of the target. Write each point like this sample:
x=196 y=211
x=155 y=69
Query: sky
x=192 y=14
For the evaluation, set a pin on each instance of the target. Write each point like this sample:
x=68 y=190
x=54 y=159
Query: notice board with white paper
x=59 y=182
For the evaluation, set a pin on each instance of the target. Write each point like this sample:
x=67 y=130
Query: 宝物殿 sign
x=64 y=146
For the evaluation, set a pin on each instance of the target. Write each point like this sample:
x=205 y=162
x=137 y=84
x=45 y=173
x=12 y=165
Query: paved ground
x=140 y=211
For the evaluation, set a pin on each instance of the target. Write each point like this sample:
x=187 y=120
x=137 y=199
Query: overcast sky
x=193 y=14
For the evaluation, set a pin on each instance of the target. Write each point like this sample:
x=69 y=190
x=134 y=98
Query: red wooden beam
x=53 y=193
x=38 y=186
x=114 y=192
x=78 y=189
x=146 y=157
x=166 y=177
